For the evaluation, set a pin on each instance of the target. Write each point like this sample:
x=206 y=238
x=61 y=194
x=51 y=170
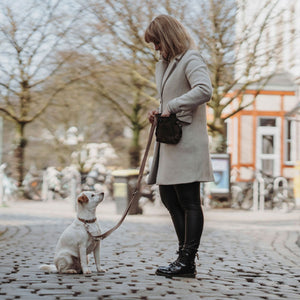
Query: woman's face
x=158 y=47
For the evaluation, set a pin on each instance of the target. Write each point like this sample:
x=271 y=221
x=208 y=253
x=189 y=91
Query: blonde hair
x=170 y=34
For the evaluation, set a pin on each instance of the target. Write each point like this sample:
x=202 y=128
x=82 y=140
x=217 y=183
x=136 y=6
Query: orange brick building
x=266 y=135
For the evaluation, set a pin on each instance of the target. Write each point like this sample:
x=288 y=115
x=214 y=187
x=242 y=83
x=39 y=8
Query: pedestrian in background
x=184 y=88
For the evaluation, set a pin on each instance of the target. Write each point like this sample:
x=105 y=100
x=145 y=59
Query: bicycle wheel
x=247 y=201
x=283 y=200
x=236 y=196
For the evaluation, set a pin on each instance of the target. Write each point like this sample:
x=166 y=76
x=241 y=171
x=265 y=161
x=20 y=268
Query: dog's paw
x=100 y=270
x=70 y=271
x=87 y=271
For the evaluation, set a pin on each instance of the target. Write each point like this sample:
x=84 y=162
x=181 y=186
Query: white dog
x=79 y=239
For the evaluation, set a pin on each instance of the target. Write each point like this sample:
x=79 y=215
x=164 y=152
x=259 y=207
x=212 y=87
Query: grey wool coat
x=184 y=88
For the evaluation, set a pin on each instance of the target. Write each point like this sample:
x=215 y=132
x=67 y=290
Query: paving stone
x=237 y=261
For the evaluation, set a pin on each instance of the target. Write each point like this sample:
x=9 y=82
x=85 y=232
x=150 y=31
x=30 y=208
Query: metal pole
x=255 y=195
x=1 y=139
x=262 y=193
x=259 y=193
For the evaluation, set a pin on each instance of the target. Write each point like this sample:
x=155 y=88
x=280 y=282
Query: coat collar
x=164 y=70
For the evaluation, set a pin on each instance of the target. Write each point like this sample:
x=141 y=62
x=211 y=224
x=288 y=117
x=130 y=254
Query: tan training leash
x=135 y=194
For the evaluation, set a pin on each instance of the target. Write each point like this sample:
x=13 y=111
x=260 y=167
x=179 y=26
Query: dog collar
x=87 y=221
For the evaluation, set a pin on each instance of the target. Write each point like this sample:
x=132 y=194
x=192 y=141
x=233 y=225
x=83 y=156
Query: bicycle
x=242 y=195
x=279 y=198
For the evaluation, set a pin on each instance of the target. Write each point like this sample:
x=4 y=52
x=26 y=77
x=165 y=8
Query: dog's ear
x=83 y=199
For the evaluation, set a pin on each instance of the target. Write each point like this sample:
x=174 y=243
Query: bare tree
x=30 y=40
x=37 y=43
x=236 y=57
x=125 y=76
x=84 y=109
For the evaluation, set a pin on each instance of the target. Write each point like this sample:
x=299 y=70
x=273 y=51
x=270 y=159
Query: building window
x=267 y=122
x=290 y=151
x=268 y=145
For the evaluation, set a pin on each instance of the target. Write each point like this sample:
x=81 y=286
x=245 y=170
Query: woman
x=184 y=88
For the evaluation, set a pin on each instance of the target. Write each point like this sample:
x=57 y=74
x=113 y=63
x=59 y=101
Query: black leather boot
x=162 y=269
x=184 y=266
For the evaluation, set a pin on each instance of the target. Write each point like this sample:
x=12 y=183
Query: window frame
x=290 y=141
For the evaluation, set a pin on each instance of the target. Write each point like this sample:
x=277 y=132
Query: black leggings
x=184 y=205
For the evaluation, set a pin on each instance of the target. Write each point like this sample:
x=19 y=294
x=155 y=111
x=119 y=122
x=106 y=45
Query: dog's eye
x=93 y=195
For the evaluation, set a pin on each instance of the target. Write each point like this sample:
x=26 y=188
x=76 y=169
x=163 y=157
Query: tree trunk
x=134 y=151
x=218 y=134
x=218 y=144
x=19 y=152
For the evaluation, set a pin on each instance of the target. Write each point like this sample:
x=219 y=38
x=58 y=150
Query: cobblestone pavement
x=243 y=255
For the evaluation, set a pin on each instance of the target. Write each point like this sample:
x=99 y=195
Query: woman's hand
x=165 y=113
x=151 y=115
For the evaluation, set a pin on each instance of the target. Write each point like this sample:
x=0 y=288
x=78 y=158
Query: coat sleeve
x=197 y=75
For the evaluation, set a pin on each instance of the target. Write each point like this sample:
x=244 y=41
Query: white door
x=268 y=146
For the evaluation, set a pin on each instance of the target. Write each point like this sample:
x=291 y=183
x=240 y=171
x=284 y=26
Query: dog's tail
x=48 y=268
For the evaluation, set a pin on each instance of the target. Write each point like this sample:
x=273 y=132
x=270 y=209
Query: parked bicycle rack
x=259 y=193
x=283 y=185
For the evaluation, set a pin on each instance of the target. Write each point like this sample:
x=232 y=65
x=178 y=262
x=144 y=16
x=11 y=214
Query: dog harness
x=86 y=226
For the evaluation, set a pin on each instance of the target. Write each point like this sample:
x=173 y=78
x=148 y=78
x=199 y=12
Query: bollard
x=255 y=195
x=262 y=194
x=259 y=189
